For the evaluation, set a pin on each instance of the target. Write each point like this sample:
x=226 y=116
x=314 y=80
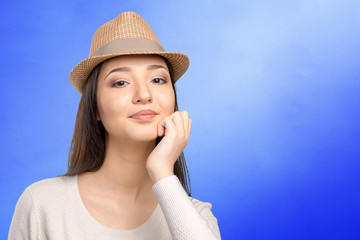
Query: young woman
x=127 y=172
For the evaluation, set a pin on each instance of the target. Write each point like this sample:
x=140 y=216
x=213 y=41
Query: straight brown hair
x=87 y=149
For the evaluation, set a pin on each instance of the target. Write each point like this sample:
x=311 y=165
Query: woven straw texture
x=126 y=26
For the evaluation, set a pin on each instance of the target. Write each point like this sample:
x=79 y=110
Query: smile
x=144 y=117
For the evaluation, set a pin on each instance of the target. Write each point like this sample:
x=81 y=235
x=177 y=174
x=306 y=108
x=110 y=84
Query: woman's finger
x=185 y=117
x=189 y=127
x=165 y=126
x=179 y=123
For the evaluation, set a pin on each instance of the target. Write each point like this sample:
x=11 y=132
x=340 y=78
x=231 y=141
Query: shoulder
x=46 y=191
x=204 y=209
x=48 y=184
x=200 y=205
x=38 y=206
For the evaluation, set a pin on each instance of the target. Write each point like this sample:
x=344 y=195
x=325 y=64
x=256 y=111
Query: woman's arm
x=187 y=218
x=184 y=220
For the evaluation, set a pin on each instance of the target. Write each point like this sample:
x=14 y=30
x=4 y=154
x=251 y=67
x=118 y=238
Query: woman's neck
x=123 y=173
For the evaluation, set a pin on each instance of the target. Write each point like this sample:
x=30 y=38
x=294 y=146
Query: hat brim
x=78 y=75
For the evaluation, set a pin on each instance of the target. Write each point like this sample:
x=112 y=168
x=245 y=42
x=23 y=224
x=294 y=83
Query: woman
x=127 y=173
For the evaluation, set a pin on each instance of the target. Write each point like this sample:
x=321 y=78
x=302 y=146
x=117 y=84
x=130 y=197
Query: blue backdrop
x=273 y=91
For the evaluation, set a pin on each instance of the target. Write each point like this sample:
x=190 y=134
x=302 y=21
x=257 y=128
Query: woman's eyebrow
x=128 y=69
x=152 y=67
x=120 y=69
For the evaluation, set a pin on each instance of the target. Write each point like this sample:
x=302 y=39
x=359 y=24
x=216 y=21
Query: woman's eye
x=158 y=80
x=119 y=84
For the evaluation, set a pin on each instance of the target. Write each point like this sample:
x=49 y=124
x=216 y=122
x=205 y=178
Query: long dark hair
x=87 y=149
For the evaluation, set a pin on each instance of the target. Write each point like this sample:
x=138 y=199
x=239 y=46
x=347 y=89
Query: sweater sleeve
x=25 y=221
x=187 y=218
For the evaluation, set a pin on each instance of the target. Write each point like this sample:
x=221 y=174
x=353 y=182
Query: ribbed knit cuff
x=174 y=201
x=183 y=219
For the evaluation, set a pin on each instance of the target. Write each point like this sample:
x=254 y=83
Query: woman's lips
x=144 y=117
x=144 y=114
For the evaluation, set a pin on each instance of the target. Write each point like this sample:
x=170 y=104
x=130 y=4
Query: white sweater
x=53 y=209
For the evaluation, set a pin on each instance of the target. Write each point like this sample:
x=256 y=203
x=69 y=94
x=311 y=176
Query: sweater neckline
x=146 y=228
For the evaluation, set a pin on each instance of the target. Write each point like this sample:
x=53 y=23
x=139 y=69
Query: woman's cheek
x=168 y=101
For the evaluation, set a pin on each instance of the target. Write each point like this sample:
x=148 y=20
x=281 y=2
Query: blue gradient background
x=273 y=92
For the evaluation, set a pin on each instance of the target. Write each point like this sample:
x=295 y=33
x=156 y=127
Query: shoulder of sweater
x=204 y=209
x=42 y=193
x=47 y=189
x=200 y=205
x=48 y=184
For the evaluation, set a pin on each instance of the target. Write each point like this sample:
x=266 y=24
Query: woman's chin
x=144 y=136
x=136 y=134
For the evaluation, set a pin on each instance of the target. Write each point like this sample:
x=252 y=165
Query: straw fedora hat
x=127 y=34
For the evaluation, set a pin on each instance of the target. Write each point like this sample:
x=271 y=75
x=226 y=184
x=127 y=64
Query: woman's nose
x=142 y=94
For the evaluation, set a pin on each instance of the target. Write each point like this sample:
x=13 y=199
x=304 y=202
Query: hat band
x=128 y=45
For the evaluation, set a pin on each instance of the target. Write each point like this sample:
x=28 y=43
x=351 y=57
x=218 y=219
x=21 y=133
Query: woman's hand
x=161 y=160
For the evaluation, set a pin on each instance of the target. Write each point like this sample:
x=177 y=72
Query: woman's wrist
x=157 y=175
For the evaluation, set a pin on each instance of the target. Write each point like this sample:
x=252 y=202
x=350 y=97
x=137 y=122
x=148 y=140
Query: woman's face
x=128 y=84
